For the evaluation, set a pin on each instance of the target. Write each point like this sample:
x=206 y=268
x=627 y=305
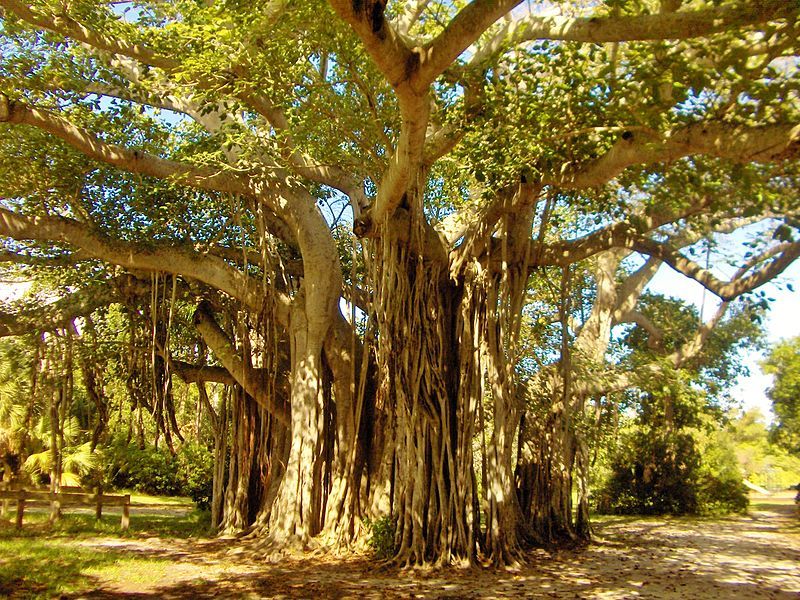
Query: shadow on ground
x=754 y=556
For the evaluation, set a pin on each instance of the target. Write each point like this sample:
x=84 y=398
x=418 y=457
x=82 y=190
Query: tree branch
x=81 y=303
x=246 y=376
x=190 y=373
x=661 y=26
x=132 y=161
x=631 y=289
x=739 y=284
x=393 y=58
x=206 y=268
x=655 y=337
x=65 y=25
x=733 y=142
x=465 y=28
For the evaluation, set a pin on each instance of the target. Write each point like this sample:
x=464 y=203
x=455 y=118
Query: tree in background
x=761 y=461
x=201 y=166
x=663 y=462
x=783 y=363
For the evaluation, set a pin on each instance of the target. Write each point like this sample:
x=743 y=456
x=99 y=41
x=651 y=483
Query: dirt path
x=756 y=556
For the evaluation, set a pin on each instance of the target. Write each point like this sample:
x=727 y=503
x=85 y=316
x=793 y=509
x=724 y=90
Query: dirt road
x=753 y=556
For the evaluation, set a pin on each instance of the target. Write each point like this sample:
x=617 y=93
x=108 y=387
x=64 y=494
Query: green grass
x=180 y=525
x=140 y=498
x=765 y=503
x=44 y=560
x=46 y=567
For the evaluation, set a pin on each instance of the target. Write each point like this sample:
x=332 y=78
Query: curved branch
x=733 y=142
x=132 y=161
x=388 y=51
x=617 y=381
x=691 y=349
x=68 y=27
x=81 y=303
x=206 y=268
x=465 y=28
x=65 y=25
x=740 y=283
x=656 y=335
x=662 y=26
x=617 y=235
x=631 y=289
x=252 y=380
x=190 y=373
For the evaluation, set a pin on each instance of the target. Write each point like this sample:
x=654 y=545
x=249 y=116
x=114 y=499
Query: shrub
x=149 y=469
x=722 y=495
x=664 y=474
x=156 y=471
x=195 y=473
x=381 y=536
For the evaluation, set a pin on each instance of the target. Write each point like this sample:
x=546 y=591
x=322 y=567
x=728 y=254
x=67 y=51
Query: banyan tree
x=395 y=237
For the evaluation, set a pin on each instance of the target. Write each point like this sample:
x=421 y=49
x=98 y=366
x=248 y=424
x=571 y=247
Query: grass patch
x=194 y=524
x=43 y=568
x=140 y=498
x=46 y=559
x=132 y=572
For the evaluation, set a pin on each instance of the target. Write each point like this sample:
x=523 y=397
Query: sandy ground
x=754 y=556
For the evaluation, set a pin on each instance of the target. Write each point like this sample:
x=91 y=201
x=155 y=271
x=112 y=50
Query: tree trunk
x=293 y=518
x=427 y=460
x=240 y=504
x=545 y=479
x=220 y=422
x=582 y=526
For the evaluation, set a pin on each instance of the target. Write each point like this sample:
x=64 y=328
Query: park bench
x=68 y=496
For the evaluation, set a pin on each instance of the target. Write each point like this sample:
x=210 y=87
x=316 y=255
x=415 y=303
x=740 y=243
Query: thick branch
x=390 y=54
x=727 y=291
x=132 y=161
x=209 y=269
x=736 y=143
x=662 y=26
x=190 y=373
x=81 y=303
x=68 y=27
x=252 y=380
x=616 y=235
x=467 y=26
x=631 y=289
x=655 y=334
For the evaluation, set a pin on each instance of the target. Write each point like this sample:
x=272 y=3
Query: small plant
x=195 y=473
x=381 y=536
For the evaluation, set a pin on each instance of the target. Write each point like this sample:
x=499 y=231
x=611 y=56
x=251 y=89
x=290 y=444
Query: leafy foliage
x=783 y=363
x=761 y=460
x=155 y=471
x=382 y=536
x=668 y=459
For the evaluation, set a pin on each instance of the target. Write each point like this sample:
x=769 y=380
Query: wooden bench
x=68 y=496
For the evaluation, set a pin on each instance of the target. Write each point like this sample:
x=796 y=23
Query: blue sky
x=783 y=321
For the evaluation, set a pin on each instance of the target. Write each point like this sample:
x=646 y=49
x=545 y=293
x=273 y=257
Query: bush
x=381 y=536
x=722 y=495
x=652 y=477
x=195 y=473
x=664 y=474
x=149 y=469
x=156 y=471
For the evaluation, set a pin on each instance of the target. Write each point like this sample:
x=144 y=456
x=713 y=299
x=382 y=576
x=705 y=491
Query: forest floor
x=752 y=556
